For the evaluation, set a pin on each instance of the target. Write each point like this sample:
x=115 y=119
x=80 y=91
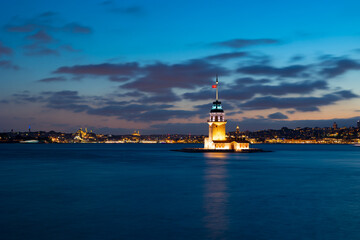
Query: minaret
x=216 y=122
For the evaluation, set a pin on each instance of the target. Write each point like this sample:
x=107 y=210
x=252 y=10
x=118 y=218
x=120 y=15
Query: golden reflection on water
x=215 y=195
x=217 y=155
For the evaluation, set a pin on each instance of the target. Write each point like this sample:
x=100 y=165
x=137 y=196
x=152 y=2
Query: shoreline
x=18 y=142
x=202 y=150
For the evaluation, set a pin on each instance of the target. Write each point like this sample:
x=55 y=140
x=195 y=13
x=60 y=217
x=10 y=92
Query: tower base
x=234 y=145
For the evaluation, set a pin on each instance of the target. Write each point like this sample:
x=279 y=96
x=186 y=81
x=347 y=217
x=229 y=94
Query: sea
x=147 y=191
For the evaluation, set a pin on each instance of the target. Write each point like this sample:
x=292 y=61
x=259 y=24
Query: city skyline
x=150 y=66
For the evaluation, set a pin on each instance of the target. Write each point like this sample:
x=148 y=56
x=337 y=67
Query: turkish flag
x=214 y=86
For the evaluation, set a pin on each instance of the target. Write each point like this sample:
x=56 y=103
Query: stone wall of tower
x=218 y=131
x=208 y=144
x=210 y=131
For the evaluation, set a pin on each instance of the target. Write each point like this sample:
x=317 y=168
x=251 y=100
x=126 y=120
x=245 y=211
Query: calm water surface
x=145 y=191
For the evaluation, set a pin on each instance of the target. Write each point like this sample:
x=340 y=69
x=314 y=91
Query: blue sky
x=119 y=66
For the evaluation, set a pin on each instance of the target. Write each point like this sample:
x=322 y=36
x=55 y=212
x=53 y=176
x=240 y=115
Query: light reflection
x=216 y=155
x=215 y=195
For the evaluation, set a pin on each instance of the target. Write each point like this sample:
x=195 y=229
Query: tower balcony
x=214 y=121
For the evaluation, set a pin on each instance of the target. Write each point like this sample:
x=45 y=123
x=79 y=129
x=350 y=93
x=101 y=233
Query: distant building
x=237 y=132
x=79 y=134
x=136 y=133
x=358 y=124
x=217 y=139
x=335 y=126
x=84 y=136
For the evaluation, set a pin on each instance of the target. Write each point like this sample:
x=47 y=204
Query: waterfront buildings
x=325 y=135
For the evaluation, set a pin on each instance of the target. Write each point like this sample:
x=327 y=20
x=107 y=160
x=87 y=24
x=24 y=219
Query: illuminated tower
x=216 y=122
x=217 y=139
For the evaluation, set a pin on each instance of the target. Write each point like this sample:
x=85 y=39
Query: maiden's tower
x=217 y=139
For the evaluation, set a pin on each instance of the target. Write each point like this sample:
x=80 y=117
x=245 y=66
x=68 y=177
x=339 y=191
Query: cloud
x=42 y=21
x=5 y=50
x=52 y=79
x=45 y=21
x=144 y=88
x=251 y=81
x=255 y=124
x=302 y=87
x=240 y=92
x=41 y=37
x=119 y=79
x=120 y=110
x=104 y=106
x=107 y=2
x=76 y=28
x=68 y=48
x=264 y=70
x=164 y=115
x=132 y=94
x=241 y=43
x=202 y=94
x=161 y=77
x=227 y=56
x=104 y=69
x=160 y=97
x=277 y=115
x=141 y=112
x=38 y=50
x=5 y=64
x=38 y=32
x=298 y=103
x=25 y=28
x=339 y=67
x=246 y=88
x=48 y=14
x=152 y=78
x=67 y=100
x=308 y=109
x=296 y=58
x=233 y=113
x=25 y=97
x=39 y=46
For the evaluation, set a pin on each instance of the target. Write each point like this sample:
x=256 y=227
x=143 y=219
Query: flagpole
x=217 y=91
